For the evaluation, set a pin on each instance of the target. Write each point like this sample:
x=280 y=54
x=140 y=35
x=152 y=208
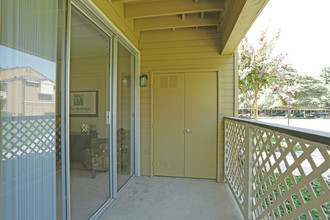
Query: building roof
x=26 y=73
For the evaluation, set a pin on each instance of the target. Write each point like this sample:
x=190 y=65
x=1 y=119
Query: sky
x=11 y=58
x=305 y=32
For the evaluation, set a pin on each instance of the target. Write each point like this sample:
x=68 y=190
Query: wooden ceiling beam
x=123 y=1
x=173 y=22
x=183 y=16
x=171 y=7
x=128 y=1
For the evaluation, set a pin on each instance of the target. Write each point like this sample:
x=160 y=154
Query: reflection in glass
x=89 y=156
x=125 y=83
x=28 y=57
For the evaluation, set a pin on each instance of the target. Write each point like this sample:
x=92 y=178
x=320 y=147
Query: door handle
x=188 y=131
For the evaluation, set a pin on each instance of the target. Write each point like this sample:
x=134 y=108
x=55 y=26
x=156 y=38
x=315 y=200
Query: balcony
x=271 y=171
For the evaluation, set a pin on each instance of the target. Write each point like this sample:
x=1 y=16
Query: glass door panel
x=29 y=73
x=89 y=140
x=125 y=106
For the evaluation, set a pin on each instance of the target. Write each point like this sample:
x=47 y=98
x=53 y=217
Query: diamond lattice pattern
x=290 y=175
x=28 y=137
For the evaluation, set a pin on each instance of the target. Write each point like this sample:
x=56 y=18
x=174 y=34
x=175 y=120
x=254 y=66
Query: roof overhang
x=242 y=15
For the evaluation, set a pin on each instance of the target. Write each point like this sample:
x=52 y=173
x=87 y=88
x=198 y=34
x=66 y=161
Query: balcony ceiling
x=230 y=18
x=151 y=15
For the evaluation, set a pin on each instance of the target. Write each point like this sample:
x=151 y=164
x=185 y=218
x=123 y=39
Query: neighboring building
x=25 y=92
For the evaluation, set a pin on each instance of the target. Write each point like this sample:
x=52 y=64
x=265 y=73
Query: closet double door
x=185 y=124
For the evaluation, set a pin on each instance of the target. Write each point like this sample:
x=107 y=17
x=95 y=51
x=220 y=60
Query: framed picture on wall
x=84 y=103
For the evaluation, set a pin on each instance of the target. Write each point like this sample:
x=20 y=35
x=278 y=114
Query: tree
x=325 y=74
x=310 y=92
x=269 y=99
x=259 y=69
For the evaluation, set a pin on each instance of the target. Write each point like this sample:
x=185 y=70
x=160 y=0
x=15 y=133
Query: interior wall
x=89 y=73
x=184 y=49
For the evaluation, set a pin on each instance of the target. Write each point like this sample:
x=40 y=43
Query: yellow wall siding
x=115 y=13
x=145 y=132
x=184 y=49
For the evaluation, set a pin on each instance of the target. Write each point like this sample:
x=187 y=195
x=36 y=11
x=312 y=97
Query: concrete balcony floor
x=174 y=199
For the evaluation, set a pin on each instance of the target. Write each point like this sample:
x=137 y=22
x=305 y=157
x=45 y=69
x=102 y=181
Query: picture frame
x=84 y=103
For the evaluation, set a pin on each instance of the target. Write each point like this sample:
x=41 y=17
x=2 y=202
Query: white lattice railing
x=277 y=171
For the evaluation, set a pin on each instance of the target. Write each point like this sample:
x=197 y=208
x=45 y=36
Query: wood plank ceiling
x=151 y=15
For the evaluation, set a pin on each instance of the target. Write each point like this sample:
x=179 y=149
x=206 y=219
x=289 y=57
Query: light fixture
x=143 y=80
x=126 y=81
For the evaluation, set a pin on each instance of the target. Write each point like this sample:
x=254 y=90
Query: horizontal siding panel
x=145 y=102
x=226 y=99
x=175 y=64
x=178 y=34
x=156 y=51
x=145 y=99
x=183 y=67
x=227 y=86
x=226 y=112
x=227 y=79
x=191 y=37
x=145 y=114
x=145 y=136
x=225 y=93
x=228 y=104
x=216 y=60
x=189 y=43
x=179 y=56
x=144 y=126
x=144 y=172
x=227 y=73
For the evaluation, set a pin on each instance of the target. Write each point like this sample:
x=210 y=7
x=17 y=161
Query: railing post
x=248 y=165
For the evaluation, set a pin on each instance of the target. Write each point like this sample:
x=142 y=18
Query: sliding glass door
x=125 y=110
x=66 y=105
x=31 y=64
x=89 y=130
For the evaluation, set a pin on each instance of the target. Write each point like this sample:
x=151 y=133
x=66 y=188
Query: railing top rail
x=24 y=118
x=307 y=134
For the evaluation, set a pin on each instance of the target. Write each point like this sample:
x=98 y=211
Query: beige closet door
x=185 y=124
x=168 y=124
x=200 y=124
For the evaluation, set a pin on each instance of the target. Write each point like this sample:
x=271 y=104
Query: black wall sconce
x=143 y=80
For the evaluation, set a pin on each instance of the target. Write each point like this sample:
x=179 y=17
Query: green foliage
x=315 y=184
x=309 y=92
x=325 y=74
